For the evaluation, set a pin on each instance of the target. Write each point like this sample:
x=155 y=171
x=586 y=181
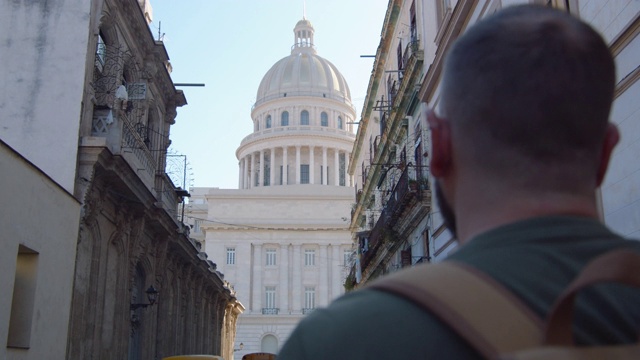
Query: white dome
x=303 y=73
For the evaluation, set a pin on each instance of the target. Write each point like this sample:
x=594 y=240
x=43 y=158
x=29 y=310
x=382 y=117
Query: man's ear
x=440 y=162
x=611 y=138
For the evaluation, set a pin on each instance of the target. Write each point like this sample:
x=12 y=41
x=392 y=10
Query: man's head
x=526 y=95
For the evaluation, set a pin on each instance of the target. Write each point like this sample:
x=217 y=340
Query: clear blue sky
x=229 y=45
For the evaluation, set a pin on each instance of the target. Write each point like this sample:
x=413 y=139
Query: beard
x=446 y=210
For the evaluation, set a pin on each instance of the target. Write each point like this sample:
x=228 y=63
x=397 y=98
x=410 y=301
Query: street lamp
x=152 y=296
x=240 y=347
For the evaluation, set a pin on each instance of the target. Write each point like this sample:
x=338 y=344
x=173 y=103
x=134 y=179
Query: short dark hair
x=531 y=80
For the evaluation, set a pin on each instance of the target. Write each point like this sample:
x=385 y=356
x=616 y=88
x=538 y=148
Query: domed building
x=282 y=238
x=302 y=121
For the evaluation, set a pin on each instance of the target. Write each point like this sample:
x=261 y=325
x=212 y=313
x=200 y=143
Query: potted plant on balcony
x=419 y=184
x=413 y=185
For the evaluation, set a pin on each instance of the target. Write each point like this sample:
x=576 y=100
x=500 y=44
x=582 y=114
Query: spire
x=304 y=10
x=303 y=37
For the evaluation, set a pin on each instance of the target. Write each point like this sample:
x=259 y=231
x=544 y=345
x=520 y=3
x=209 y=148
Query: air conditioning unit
x=406 y=121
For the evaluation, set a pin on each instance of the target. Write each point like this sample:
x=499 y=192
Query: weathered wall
x=43 y=51
x=47 y=224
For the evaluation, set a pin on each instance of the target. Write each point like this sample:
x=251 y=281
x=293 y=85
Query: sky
x=229 y=45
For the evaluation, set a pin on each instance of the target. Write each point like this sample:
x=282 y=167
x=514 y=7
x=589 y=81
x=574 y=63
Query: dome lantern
x=303 y=38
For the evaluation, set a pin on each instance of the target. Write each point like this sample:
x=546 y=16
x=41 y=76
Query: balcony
x=306 y=311
x=277 y=131
x=141 y=148
x=338 y=97
x=409 y=200
x=270 y=311
x=124 y=139
x=376 y=237
x=412 y=48
x=166 y=193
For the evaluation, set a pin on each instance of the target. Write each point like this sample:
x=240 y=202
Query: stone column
x=325 y=172
x=298 y=164
x=261 y=169
x=257 y=279
x=285 y=171
x=284 y=279
x=337 y=264
x=323 y=283
x=245 y=170
x=253 y=170
x=240 y=173
x=272 y=165
x=296 y=282
x=336 y=162
x=312 y=165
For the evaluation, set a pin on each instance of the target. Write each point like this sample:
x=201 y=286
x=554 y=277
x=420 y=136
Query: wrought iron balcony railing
x=270 y=311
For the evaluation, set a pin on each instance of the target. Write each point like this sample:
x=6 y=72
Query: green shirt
x=536 y=259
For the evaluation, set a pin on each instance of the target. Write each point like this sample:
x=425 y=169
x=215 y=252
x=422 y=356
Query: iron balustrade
x=376 y=237
x=278 y=130
x=325 y=95
x=270 y=311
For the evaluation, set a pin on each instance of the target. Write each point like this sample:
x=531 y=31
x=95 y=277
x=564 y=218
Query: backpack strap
x=485 y=314
x=617 y=266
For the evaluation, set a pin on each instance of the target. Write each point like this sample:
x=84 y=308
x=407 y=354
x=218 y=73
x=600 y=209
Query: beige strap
x=480 y=310
x=617 y=266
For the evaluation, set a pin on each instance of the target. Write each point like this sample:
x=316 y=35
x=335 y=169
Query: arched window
x=304 y=117
x=284 y=118
x=268 y=124
x=269 y=344
x=340 y=125
x=324 y=119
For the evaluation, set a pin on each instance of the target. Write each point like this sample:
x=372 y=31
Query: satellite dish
x=121 y=93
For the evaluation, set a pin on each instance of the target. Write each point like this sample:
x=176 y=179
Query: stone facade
x=37 y=255
x=130 y=236
x=282 y=238
x=391 y=234
x=85 y=131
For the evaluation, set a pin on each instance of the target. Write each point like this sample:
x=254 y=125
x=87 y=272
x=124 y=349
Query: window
x=268 y=123
x=231 y=256
x=196 y=226
x=24 y=291
x=400 y=60
x=309 y=257
x=304 y=174
x=304 y=117
x=267 y=172
x=413 y=23
x=347 y=258
x=309 y=299
x=101 y=52
x=271 y=257
x=270 y=297
x=324 y=119
x=284 y=118
x=340 y=125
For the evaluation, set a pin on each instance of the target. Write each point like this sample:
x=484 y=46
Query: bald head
x=529 y=88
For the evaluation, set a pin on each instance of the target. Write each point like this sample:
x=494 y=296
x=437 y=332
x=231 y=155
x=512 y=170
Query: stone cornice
x=388 y=29
x=456 y=24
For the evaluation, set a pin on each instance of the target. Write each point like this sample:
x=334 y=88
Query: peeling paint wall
x=43 y=51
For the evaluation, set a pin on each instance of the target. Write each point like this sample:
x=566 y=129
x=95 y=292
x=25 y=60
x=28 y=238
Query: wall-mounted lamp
x=240 y=347
x=152 y=296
